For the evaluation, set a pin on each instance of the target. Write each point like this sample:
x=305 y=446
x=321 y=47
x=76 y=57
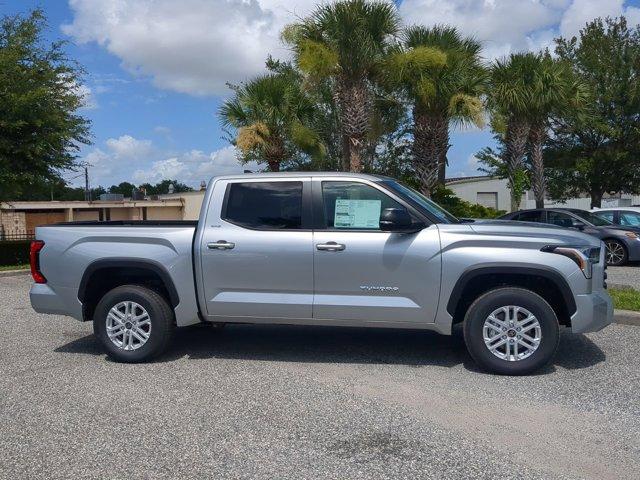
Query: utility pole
x=87 y=192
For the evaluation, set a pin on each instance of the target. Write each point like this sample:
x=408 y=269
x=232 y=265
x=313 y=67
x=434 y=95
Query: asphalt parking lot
x=624 y=276
x=308 y=403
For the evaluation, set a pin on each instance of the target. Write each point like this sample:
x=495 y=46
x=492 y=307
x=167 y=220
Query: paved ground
x=629 y=275
x=294 y=402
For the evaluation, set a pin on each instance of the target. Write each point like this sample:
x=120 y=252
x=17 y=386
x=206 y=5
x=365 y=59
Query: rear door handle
x=220 y=245
x=330 y=246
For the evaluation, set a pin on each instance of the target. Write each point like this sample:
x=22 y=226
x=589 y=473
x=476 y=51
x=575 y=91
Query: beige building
x=191 y=203
x=21 y=218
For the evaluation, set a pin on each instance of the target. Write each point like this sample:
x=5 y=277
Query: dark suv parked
x=623 y=243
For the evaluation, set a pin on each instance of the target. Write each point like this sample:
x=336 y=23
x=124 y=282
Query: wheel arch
x=544 y=281
x=103 y=275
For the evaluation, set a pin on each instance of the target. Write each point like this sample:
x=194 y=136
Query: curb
x=15 y=273
x=626 y=317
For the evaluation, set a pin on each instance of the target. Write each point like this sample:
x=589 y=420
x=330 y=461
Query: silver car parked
x=325 y=249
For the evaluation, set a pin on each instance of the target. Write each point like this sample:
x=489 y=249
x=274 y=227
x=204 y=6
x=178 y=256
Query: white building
x=493 y=192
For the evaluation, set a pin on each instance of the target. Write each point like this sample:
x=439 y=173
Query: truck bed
x=71 y=249
x=129 y=223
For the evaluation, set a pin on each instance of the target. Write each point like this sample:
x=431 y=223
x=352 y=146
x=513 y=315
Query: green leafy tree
x=555 y=92
x=272 y=116
x=344 y=43
x=442 y=75
x=512 y=82
x=40 y=129
x=493 y=162
x=598 y=151
x=162 y=187
x=124 y=188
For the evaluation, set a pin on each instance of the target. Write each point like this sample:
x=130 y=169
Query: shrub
x=14 y=252
x=445 y=197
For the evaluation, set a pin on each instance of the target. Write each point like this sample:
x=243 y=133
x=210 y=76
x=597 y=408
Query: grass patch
x=625 y=298
x=4 y=268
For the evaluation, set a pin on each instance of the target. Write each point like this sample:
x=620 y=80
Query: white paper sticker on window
x=357 y=213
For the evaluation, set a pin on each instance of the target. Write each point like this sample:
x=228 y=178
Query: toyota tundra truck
x=333 y=249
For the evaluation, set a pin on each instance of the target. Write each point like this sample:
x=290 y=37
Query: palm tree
x=344 y=43
x=443 y=77
x=511 y=90
x=555 y=90
x=273 y=119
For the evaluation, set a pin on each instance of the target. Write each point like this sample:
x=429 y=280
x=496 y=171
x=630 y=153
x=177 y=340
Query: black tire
x=610 y=243
x=484 y=305
x=160 y=315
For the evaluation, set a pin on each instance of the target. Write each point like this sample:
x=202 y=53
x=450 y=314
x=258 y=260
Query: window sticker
x=357 y=213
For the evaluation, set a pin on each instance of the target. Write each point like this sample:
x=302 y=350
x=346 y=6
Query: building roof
x=474 y=178
x=83 y=205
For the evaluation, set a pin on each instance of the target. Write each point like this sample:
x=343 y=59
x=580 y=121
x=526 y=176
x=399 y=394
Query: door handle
x=220 y=245
x=330 y=246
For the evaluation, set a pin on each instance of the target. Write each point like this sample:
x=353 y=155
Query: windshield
x=422 y=201
x=591 y=218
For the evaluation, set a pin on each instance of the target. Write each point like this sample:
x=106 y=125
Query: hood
x=537 y=233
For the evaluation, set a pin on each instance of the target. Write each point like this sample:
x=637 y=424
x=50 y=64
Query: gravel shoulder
x=308 y=402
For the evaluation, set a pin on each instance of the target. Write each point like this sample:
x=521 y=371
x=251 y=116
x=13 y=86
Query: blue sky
x=156 y=69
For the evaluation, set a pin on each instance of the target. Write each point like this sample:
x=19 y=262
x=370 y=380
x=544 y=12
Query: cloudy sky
x=157 y=69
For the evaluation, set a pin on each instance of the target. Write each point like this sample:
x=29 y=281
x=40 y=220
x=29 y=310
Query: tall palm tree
x=443 y=77
x=273 y=118
x=555 y=90
x=344 y=43
x=512 y=83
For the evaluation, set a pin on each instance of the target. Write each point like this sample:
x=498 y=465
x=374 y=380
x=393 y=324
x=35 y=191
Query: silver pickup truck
x=325 y=249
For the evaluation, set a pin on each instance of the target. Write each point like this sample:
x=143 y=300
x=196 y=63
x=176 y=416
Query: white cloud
x=190 y=46
x=162 y=130
x=128 y=148
x=192 y=167
x=88 y=99
x=502 y=26
x=506 y=26
x=582 y=11
x=138 y=160
x=472 y=164
x=196 y=46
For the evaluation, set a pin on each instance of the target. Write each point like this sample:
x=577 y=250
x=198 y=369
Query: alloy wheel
x=512 y=333
x=128 y=325
x=615 y=253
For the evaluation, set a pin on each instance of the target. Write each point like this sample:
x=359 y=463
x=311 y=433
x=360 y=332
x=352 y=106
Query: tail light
x=34 y=260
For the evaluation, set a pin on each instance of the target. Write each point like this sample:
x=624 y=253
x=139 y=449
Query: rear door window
x=561 y=219
x=264 y=205
x=529 y=217
x=605 y=215
x=630 y=219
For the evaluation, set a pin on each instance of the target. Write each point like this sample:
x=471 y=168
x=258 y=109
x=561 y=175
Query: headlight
x=584 y=257
x=632 y=235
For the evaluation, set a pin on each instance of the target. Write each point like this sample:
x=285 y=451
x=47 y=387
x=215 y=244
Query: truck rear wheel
x=511 y=331
x=133 y=323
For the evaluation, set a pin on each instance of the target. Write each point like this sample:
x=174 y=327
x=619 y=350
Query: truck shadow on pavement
x=413 y=348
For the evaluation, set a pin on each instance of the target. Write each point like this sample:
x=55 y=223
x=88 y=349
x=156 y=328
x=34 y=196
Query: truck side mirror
x=397 y=220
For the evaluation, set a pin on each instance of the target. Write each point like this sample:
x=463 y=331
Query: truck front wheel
x=511 y=331
x=133 y=323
